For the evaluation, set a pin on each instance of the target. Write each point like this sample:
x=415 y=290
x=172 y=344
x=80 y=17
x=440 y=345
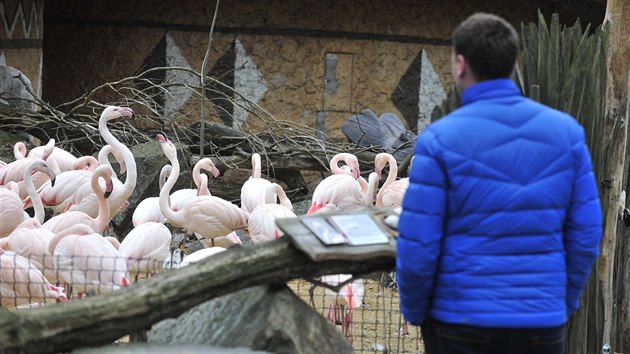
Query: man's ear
x=461 y=67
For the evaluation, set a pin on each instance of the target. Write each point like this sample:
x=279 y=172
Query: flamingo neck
x=391 y=178
x=334 y=165
x=104 y=213
x=368 y=197
x=165 y=192
x=36 y=200
x=202 y=188
x=130 y=162
x=256 y=166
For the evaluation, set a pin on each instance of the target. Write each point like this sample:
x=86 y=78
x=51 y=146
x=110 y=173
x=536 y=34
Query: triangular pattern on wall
x=223 y=70
x=23 y=21
x=417 y=92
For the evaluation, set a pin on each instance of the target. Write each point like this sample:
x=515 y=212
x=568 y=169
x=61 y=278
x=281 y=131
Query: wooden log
x=617 y=81
x=102 y=319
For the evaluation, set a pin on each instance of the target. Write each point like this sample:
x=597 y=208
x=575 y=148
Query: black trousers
x=444 y=338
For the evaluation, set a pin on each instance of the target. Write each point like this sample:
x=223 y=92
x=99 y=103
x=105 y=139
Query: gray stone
x=269 y=318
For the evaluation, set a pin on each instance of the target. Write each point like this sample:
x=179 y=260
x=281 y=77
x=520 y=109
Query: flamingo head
x=380 y=161
x=167 y=146
x=41 y=166
x=113 y=112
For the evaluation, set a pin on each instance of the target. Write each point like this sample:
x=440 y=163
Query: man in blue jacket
x=501 y=222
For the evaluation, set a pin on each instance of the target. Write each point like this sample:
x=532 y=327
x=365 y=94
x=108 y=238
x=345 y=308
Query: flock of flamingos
x=37 y=255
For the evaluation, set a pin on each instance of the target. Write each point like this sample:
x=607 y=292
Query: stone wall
x=21 y=33
x=313 y=62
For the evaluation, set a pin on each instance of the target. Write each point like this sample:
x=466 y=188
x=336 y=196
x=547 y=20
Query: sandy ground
x=377 y=325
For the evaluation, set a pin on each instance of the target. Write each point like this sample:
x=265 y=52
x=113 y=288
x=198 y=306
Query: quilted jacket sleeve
x=421 y=229
x=582 y=228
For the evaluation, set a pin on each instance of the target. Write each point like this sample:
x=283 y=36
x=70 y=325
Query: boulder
x=268 y=318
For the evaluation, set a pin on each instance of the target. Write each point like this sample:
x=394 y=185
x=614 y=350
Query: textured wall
x=314 y=62
x=21 y=31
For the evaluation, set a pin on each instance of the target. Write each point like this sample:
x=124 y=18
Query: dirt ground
x=377 y=326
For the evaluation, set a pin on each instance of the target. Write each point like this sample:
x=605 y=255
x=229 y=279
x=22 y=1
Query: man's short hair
x=489 y=44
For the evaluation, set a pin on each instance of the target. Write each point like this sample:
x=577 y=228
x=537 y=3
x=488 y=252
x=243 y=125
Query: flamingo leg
x=311 y=294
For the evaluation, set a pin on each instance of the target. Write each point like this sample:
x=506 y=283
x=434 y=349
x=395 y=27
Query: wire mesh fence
x=365 y=310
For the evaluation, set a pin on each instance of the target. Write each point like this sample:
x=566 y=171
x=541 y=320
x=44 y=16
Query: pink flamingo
x=21 y=283
x=221 y=241
x=339 y=189
x=207 y=215
x=98 y=223
x=103 y=158
x=14 y=171
x=145 y=248
x=148 y=210
x=253 y=190
x=29 y=239
x=11 y=212
x=87 y=261
x=63 y=158
x=84 y=199
x=58 y=195
x=262 y=221
x=349 y=297
x=392 y=192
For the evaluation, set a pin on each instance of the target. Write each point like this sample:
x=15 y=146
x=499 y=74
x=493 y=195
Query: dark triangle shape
x=406 y=95
x=156 y=59
x=221 y=97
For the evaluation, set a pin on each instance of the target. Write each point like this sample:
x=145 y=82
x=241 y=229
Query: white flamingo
x=87 y=261
x=392 y=191
x=253 y=190
x=145 y=247
x=84 y=199
x=98 y=223
x=340 y=189
x=206 y=215
x=29 y=239
x=21 y=283
x=262 y=221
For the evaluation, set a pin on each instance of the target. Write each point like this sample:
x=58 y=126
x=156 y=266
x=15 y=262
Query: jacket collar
x=490 y=89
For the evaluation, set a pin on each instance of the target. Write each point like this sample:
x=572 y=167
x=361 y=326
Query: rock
x=270 y=318
x=15 y=92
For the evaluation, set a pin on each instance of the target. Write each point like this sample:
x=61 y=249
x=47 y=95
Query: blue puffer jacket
x=501 y=222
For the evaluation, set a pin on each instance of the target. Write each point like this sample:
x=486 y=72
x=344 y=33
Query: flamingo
x=14 y=171
x=57 y=195
x=87 y=261
x=349 y=297
x=340 y=189
x=84 y=199
x=253 y=190
x=392 y=192
x=200 y=255
x=221 y=241
x=63 y=158
x=29 y=239
x=22 y=283
x=98 y=223
x=262 y=221
x=103 y=158
x=148 y=210
x=11 y=212
x=207 y=215
x=145 y=247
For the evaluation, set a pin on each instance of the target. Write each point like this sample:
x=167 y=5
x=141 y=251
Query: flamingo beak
x=126 y=112
x=52 y=181
x=109 y=187
x=215 y=172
